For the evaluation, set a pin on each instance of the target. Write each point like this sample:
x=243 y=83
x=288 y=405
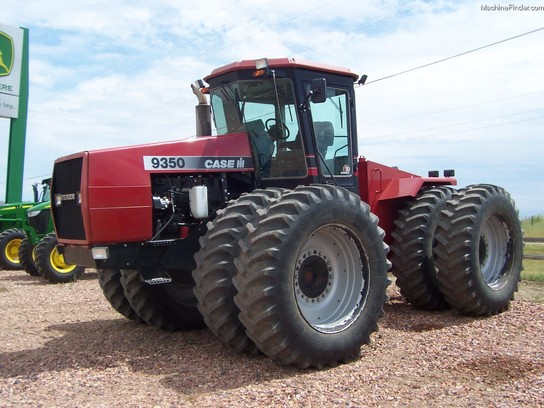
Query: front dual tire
x=312 y=277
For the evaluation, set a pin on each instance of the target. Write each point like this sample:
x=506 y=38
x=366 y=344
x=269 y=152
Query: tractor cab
x=299 y=118
x=42 y=194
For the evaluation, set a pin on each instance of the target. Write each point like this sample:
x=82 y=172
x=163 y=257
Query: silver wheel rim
x=330 y=278
x=493 y=251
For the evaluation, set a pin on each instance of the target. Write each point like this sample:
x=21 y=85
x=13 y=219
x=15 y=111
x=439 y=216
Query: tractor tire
x=312 y=277
x=170 y=306
x=51 y=264
x=413 y=243
x=10 y=241
x=110 y=282
x=215 y=267
x=26 y=258
x=480 y=250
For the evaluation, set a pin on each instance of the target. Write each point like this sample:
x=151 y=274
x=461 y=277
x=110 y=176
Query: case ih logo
x=6 y=54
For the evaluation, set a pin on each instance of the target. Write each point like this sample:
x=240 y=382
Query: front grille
x=67 y=216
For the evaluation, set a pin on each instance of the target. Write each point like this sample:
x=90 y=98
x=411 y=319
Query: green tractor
x=38 y=253
x=12 y=220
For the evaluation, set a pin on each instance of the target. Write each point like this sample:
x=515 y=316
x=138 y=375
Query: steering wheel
x=278 y=130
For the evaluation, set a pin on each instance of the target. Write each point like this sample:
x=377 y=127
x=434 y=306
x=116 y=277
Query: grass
x=533 y=269
x=533 y=226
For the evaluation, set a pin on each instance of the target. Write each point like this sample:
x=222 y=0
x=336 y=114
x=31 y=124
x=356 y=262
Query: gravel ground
x=63 y=346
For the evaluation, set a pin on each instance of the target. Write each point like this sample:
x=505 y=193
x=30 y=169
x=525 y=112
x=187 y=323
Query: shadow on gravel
x=103 y=344
x=399 y=315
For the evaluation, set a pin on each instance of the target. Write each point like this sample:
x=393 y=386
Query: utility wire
x=401 y=140
x=389 y=136
x=451 y=109
x=454 y=56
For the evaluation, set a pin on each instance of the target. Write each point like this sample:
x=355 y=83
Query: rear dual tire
x=479 y=251
x=414 y=240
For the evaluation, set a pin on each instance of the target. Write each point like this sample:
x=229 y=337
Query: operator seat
x=324 y=135
x=262 y=144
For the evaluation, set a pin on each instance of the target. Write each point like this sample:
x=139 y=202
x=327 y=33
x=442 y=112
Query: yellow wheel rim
x=12 y=250
x=58 y=263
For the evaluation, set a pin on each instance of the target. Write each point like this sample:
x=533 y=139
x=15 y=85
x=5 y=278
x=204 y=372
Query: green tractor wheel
x=27 y=257
x=51 y=264
x=10 y=241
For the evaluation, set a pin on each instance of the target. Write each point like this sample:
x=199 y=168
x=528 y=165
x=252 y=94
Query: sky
x=109 y=73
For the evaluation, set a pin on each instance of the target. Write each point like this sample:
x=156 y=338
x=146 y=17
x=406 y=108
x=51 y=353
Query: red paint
x=386 y=189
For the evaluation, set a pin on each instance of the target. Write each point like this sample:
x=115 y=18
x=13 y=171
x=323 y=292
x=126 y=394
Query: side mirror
x=319 y=87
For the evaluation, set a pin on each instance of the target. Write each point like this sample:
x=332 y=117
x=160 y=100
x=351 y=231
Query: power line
x=389 y=136
x=412 y=116
x=455 y=56
x=406 y=139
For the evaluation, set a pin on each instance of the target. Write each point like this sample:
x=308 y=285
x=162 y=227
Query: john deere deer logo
x=6 y=54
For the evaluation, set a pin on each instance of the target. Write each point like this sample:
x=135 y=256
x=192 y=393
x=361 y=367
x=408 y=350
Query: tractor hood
x=46 y=205
x=11 y=207
x=111 y=188
x=124 y=166
x=112 y=167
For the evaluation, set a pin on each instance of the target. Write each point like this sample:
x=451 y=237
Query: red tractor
x=274 y=232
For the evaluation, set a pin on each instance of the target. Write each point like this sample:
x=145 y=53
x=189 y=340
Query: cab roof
x=282 y=63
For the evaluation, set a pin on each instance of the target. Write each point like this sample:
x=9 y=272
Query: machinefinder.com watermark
x=510 y=7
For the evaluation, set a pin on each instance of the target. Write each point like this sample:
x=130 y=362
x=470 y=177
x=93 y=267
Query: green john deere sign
x=6 y=54
x=11 y=52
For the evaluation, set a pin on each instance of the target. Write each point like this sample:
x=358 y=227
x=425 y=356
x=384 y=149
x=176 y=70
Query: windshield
x=266 y=110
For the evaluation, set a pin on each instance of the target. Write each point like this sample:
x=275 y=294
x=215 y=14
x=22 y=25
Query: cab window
x=331 y=130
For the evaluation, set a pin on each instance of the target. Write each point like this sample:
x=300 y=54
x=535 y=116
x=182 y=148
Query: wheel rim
x=12 y=250
x=58 y=263
x=493 y=251
x=330 y=279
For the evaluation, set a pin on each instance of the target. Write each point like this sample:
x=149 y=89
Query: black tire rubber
x=26 y=258
x=110 y=282
x=215 y=267
x=480 y=250
x=10 y=241
x=51 y=264
x=167 y=306
x=412 y=247
x=312 y=277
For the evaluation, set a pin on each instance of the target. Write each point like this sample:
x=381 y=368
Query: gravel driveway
x=63 y=346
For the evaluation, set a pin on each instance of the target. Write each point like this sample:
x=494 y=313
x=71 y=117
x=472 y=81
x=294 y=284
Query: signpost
x=14 y=103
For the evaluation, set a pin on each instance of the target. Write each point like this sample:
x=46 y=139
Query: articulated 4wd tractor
x=274 y=232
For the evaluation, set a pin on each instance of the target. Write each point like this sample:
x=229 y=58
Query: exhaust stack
x=203 y=113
